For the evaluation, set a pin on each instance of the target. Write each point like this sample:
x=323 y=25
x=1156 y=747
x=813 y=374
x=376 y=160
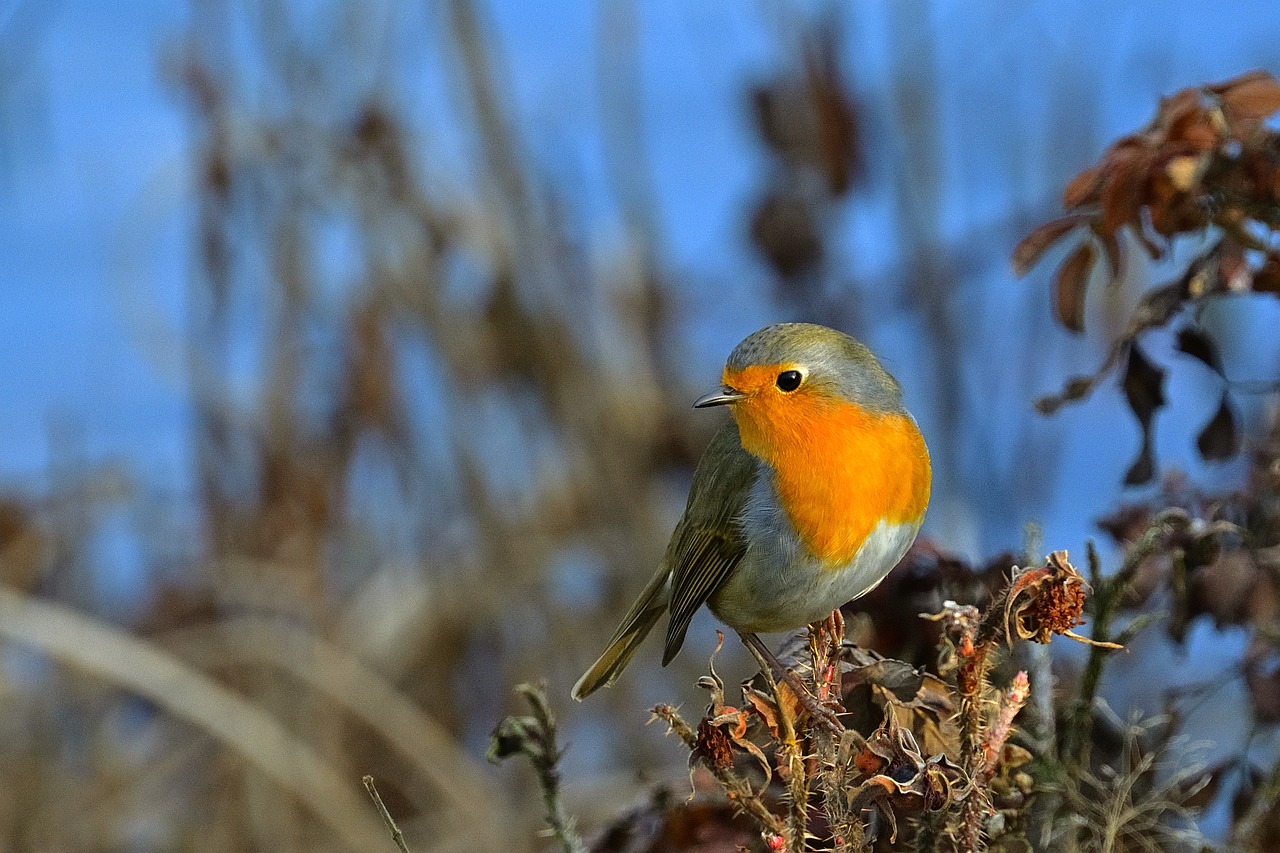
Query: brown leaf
x=899 y=678
x=1143 y=468
x=767 y=710
x=1127 y=165
x=1111 y=248
x=1157 y=307
x=1143 y=386
x=1183 y=118
x=1249 y=98
x=1035 y=244
x=1069 y=287
x=1234 y=273
x=1083 y=188
x=1143 y=389
x=1220 y=438
x=1267 y=278
x=1076 y=388
x=784 y=230
x=1223 y=588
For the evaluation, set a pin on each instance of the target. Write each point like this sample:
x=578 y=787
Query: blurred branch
x=535 y=738
x=622 y=122
x=132 y=664
x=497 y=136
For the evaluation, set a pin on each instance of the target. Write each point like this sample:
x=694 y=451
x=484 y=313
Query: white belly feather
x=779 y=586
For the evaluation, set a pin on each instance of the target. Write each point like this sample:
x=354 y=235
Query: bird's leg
x=828 y=636
x=836 y=626
x=768 y=660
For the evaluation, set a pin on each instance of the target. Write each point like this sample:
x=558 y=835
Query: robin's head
x=784 y=381
x=801 y=364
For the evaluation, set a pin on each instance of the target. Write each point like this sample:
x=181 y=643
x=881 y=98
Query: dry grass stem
x=131 y=664
x=396 y=835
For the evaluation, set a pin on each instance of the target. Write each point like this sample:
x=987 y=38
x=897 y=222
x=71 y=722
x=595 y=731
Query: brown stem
x=396 y=835
x=736 y=788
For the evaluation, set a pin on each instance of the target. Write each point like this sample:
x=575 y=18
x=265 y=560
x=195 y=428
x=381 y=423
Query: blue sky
x=95 y=206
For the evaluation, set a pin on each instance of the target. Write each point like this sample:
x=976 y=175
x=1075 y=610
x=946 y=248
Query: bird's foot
x=820 y=712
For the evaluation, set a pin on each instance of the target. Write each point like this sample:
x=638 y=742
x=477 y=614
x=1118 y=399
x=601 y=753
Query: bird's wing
x=708 y=542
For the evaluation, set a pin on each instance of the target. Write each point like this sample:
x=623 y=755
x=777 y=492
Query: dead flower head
x=1047 y=600
x=901 y=780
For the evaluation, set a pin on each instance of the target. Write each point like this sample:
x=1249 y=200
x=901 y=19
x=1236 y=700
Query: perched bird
x=805 y=500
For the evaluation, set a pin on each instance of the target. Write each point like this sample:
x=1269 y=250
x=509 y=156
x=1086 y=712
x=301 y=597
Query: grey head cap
x=828 y=358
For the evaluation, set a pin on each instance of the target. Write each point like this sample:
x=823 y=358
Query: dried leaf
x=1075 y=388
x=1143 y=386
x=1143 y=468
x=1195 y=343
x=901 y=679
x=901 y=779
x=1031 y=247
x=1083 y=188
x=1111 y=248
x=1224 y=588
x=1127 y=165
x=1267 y=278
x=1070 y=285
x=1250 y=97
x=1220 y=438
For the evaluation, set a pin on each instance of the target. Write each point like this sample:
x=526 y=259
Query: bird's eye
x=789 y=380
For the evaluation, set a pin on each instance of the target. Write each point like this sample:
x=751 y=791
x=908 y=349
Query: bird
x=804 y=500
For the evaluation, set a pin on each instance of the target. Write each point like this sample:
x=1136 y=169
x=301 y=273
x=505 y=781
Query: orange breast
x=840 y=470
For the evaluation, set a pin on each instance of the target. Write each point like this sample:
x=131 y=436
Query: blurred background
x=349 y=351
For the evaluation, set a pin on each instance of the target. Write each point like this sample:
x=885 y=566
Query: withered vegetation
x=975 y=745
x=425 y=405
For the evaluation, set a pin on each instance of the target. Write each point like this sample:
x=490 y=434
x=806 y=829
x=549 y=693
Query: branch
x=535 y=738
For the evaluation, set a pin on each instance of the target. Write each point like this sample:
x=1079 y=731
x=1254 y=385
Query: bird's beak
x=720 y=397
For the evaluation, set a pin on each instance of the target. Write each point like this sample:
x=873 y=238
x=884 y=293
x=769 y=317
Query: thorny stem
x=396 y=835
x=797 y=794
x=769 y=664
x=971 y=682
x=975 y=645
x=736 y=788
x=835 y=757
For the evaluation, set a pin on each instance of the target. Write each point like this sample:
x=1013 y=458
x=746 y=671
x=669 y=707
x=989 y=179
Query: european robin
x=803 y=501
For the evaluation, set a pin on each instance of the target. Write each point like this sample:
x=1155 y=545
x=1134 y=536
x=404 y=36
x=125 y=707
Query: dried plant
x=922 y=779
x=1206 y=167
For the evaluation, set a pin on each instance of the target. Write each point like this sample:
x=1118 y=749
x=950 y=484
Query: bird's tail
x=635 y=626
